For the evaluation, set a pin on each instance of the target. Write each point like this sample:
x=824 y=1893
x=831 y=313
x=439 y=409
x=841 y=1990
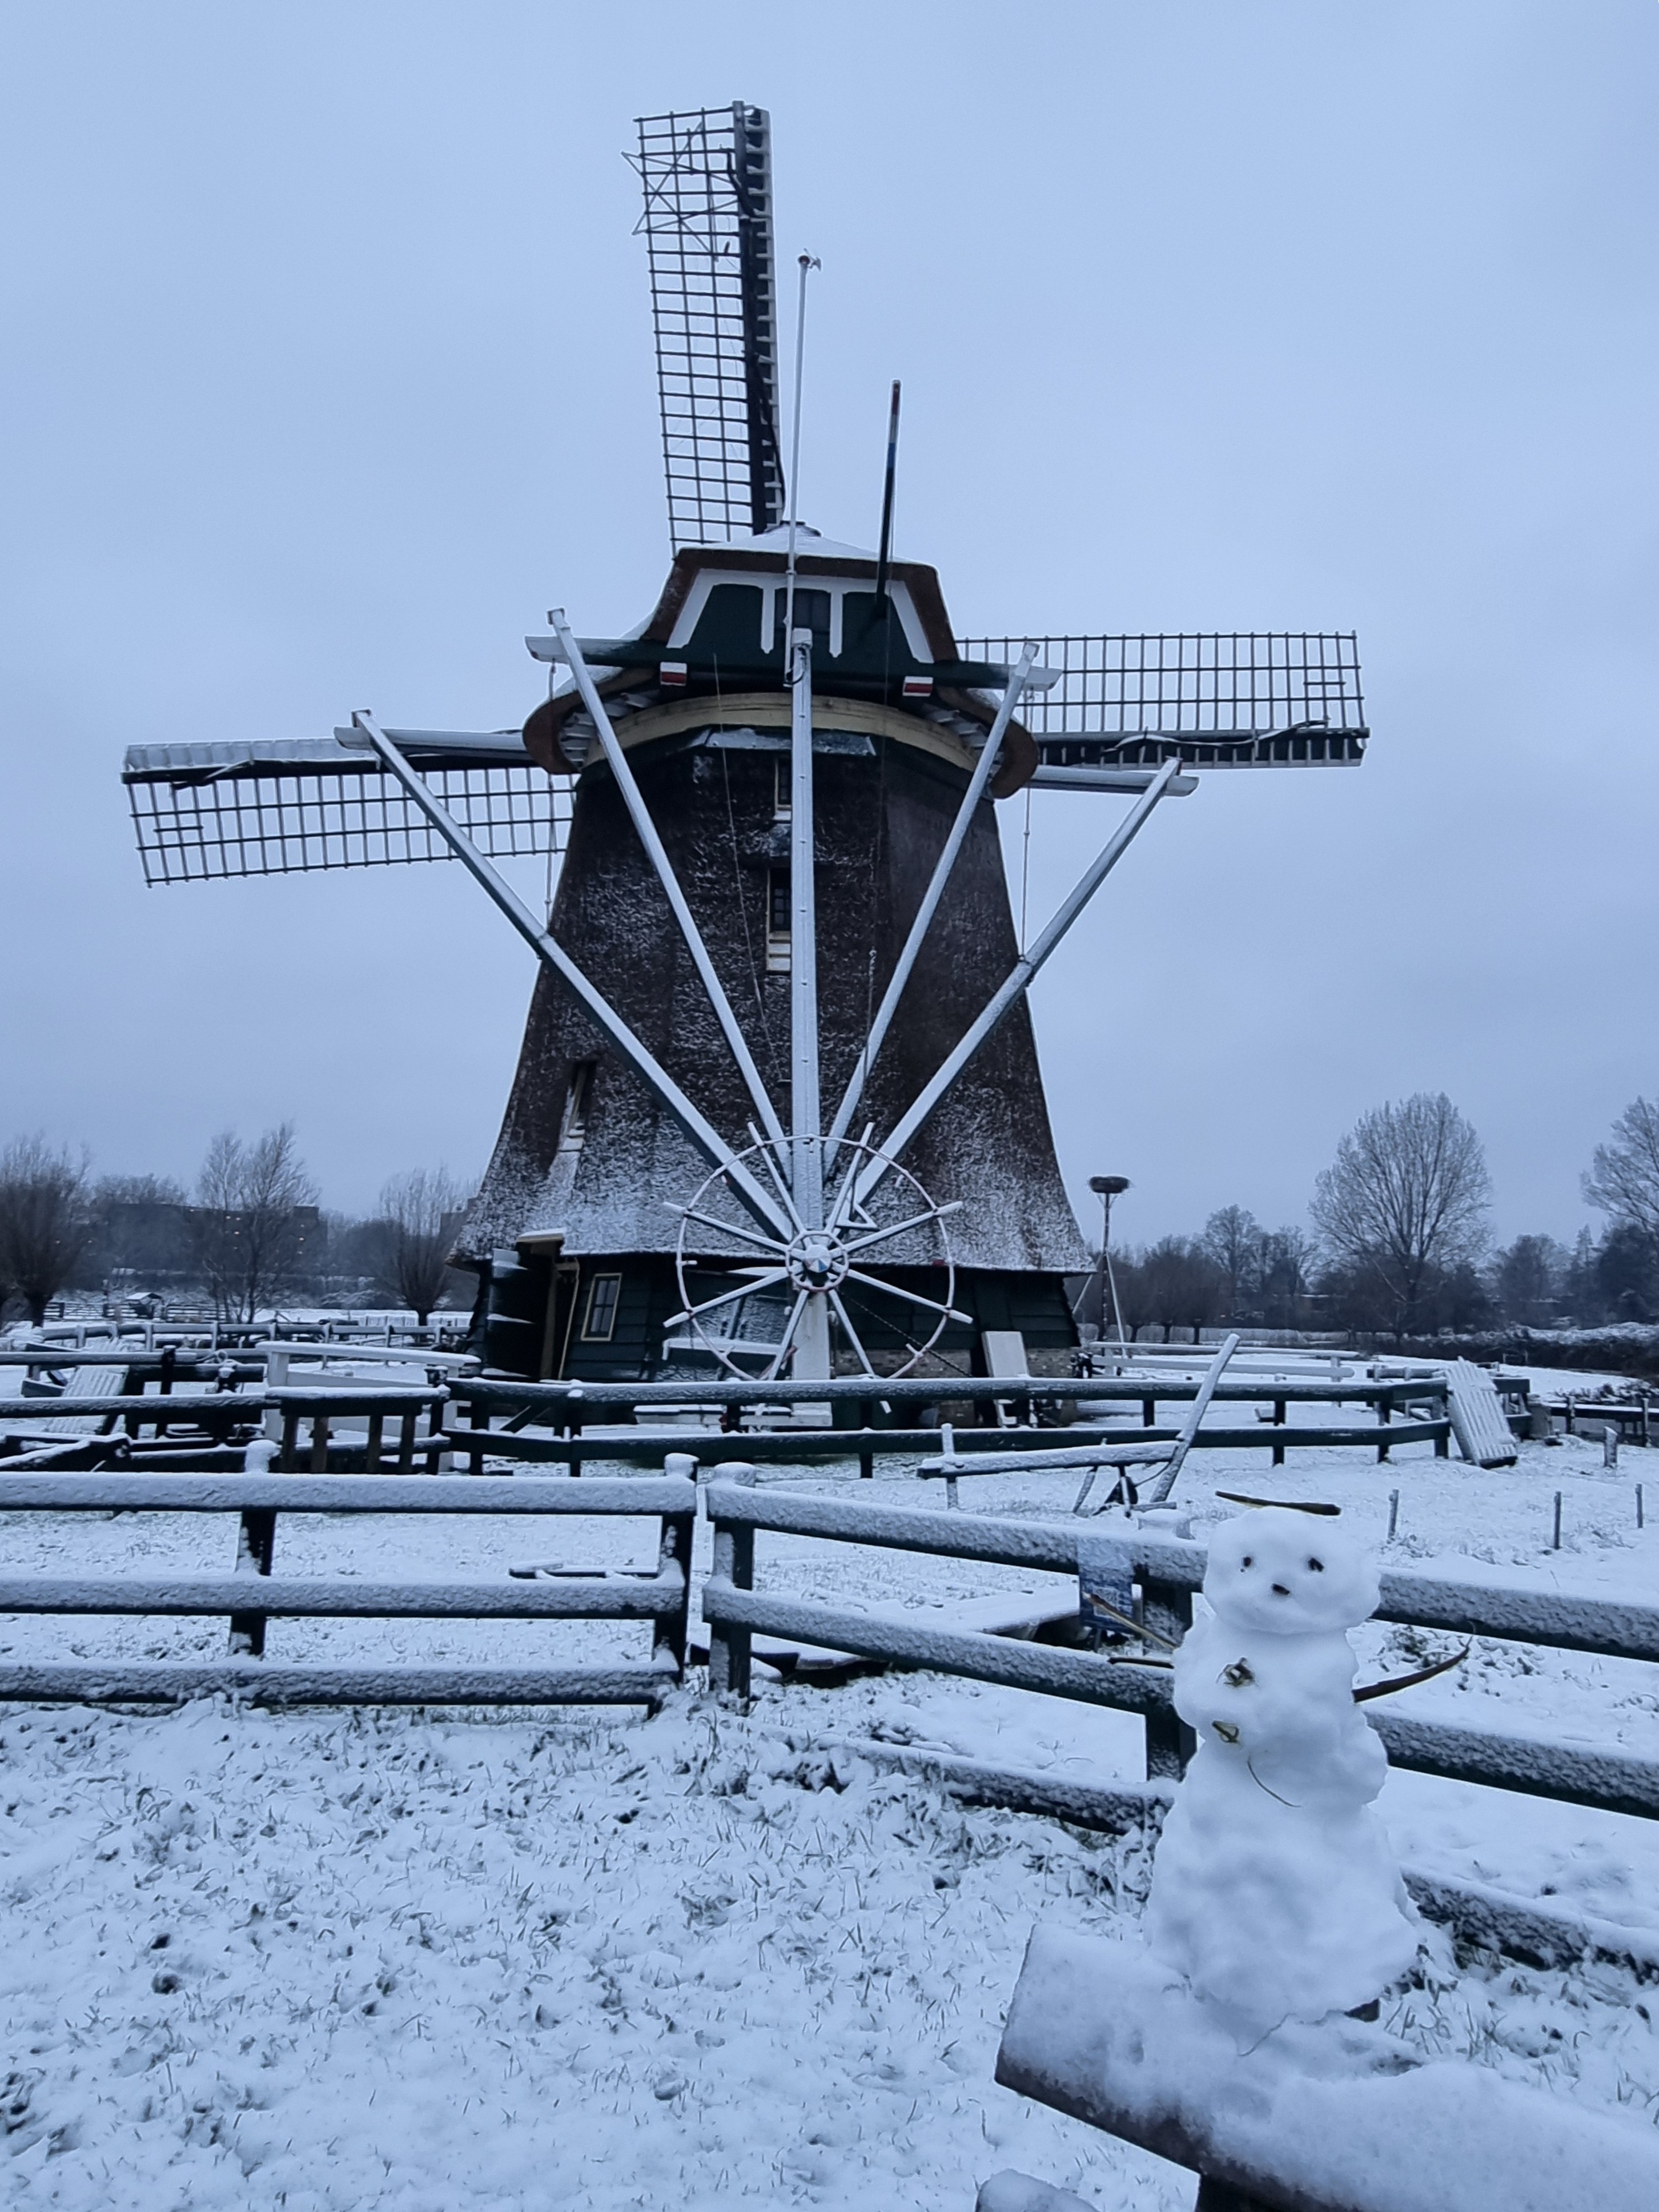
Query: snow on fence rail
x=252 y=1594
x=1168 y=1571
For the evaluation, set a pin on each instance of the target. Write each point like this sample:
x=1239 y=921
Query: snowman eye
x=1247 y=1561
x=1316 y=1567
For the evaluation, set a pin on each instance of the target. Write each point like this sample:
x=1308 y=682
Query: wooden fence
x=250 y=1593
x=1166 y=1571
x=547 y=1422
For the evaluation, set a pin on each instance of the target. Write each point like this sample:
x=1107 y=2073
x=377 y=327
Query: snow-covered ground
x=491 y=1962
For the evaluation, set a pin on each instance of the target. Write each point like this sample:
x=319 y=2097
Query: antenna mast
x=887 y=500
x=807 y=262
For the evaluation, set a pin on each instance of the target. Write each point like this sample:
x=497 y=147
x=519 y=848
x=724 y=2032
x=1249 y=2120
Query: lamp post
x=1106 y=1189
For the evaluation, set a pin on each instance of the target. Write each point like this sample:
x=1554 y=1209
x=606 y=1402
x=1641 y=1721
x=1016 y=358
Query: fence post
x=1279 y=1407
x=729 y=1651
x=674 y=1548
x=477 y=1417
x=256 y=1545
x=1167 y=1611
x=1384 y=1415
x=277 y=1366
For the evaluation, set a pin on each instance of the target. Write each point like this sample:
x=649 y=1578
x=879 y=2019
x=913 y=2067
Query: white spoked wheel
x=813 y=1287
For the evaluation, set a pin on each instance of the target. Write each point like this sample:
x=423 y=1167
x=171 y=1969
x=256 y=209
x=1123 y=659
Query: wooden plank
x=351 y=1493
x=812 y=1447
x=1527 y=1928
x=1124 y=1686
x=1048 y=1545
x=360 y=1398
x=590 y=1400
x=343 y=1597
x=1615 y=1781
x=90 y=1412
x=158 y=1682
x=1479 y=1421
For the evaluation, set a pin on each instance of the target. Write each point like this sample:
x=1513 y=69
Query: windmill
x=778 y=1108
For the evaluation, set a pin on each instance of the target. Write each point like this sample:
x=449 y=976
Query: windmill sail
x=1219 y=698
x=288 y=806
x=707 y=226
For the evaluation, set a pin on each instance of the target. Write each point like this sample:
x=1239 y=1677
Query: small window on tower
x=600 y=1325
x=777 y=921
x=572 y=1124
x=783 y=791
x=811 y=612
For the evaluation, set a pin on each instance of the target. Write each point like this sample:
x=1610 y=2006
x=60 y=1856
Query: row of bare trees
x=251 y=1234
x=1402 y=1243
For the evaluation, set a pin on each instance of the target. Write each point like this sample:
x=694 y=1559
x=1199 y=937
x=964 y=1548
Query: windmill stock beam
x=701 y=1133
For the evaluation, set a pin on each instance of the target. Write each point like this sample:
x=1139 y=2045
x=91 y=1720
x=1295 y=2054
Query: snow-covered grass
x=412 y=1961
x=387 y=1961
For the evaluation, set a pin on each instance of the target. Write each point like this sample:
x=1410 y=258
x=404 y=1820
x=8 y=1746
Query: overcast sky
x=326 y=369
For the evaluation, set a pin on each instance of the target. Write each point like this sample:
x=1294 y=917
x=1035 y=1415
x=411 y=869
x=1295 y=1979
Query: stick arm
x=1019 y=980
x=640 y=814
x=935 y=891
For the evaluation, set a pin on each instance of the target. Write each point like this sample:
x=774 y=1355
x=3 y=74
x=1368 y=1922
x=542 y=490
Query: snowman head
x=1286 y=1573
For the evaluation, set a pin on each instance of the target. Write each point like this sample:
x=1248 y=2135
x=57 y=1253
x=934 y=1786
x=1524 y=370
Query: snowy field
x=379 y=1959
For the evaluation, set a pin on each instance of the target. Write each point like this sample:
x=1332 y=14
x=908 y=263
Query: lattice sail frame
x=708 y=225
x=211 y=812
x=1219 y=698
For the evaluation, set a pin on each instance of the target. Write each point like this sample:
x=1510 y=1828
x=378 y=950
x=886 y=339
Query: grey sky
x=327 y=369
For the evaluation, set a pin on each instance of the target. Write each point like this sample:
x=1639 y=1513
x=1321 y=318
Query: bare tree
x=254 y=1206
x=44 y=1225
x=1405 y=1199
x=1233 y=1239
x=417 y=1215
x=1624 y=1180
x=1287 y=1263
x=1178 y=1283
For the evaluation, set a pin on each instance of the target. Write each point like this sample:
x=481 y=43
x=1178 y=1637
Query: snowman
x=1274 y=1889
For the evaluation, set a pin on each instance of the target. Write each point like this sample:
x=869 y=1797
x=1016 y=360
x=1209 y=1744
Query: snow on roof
x=807 y=541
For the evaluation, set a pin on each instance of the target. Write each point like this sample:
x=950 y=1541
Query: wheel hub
x=817 y=1260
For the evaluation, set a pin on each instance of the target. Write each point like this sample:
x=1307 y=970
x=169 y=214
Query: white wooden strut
x=860 y=1185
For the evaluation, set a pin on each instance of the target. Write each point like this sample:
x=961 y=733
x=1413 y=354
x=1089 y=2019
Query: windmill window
x=777 y=921
x=572 y=1124
x=600 y=1324
x=813 y=611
